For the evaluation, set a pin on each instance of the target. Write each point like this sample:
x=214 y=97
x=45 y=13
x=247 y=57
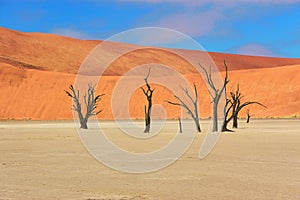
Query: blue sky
x=253 y=27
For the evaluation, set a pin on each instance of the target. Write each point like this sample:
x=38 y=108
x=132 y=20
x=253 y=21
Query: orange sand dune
x=61 y=54
x=39 y=95
x=35 y=69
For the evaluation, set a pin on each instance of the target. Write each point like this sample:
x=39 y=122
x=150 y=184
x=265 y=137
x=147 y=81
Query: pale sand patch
x=46 y=160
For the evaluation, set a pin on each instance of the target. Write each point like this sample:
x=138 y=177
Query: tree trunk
x=198 y=128
x=180 y=125
x=215 y=116
x=83 y=121
x=197 y=118
x=235 y=122
x=197 y=125
x=248 y=119
x=147 y=128
x=224 y=126
x=148 y=116
x=83 y=124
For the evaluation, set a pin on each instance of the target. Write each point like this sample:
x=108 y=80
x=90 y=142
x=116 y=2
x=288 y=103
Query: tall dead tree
x=193 y=112
x=147 y=109
x=238 y=106
x=90 y=101
x=216 y=93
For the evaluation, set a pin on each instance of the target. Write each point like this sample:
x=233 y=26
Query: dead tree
x=180 y=125
x=193 y=112
x=147 y=109
x=238 y=106
x=248 y=116
x=217 y=93
x=228 y=106
x=90 y=101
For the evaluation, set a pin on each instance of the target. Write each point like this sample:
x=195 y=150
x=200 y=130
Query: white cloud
x=254 y=50
x=200 y=23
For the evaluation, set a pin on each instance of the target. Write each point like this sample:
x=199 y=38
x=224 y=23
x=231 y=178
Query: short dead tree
x=90 y=101
x=193 y=112
x=216 y=93
x=238 y=105
x=248 y=116
x=180 y=125
x=147 y=109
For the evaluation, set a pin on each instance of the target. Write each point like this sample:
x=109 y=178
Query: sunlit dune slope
x=39 y=95
x=36 y=68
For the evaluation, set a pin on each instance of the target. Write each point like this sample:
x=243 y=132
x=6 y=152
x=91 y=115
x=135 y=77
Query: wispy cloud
x=69 y=32
x=203 y=21
x=195 y=24
x=203 y=2
x=254 y=50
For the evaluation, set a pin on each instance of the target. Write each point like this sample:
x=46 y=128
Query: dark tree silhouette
x=193 y=112
x=148 y=93
x=217 y=93
x=180 y=125
x=233 y=107
x=227 y=108
x=237 y=106
x=248 y=116
x=227 y=118
x=90 y=101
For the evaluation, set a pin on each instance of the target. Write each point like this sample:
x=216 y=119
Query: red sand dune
x=35 y=69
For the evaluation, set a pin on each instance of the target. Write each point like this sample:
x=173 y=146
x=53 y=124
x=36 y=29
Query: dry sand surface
x=46 y=160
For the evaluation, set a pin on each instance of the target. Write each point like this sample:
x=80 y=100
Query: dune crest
x=35 y=68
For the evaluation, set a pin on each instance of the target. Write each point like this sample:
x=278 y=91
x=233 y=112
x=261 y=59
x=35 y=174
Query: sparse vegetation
x=216 y=93
x=90 y=101
x=193 y=112
x=248 y=116
x=147 y=109
x=237 y=105
x=234 y=106
x=295 y=116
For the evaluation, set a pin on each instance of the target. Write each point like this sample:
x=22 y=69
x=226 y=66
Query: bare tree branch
x=217 y=92
x=237 y=106
x=194 y=114
x=90 y=102
x=208 y=77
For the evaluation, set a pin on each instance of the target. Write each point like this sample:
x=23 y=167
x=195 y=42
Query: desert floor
x=46 y=160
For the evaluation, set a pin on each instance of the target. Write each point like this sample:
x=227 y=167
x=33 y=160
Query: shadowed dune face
x=36 y=68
